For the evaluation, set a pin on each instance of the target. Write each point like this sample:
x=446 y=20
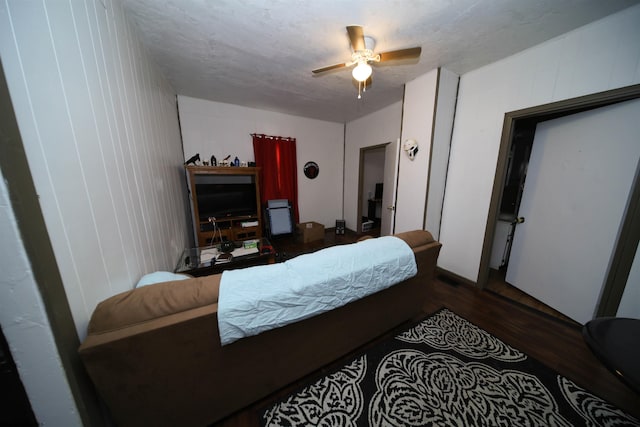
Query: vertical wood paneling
x=82 y=157
x=115 y=116
x=120 y=270
x=100 y=128
x=122 y=108
x=52 y=149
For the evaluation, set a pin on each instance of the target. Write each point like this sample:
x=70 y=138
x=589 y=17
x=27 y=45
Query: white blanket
x=256 y=299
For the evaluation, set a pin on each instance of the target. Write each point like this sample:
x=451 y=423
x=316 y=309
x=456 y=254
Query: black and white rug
x=445 y=371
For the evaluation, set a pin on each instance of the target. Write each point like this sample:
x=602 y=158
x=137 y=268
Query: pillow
x=159 y=277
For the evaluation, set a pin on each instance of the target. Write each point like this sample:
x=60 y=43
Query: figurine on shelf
x=193 y=160
x=236 y=162
x=214 y=161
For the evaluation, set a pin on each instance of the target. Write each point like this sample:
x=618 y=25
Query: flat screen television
x=225 y=199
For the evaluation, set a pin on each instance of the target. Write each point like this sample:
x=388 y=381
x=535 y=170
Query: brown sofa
x=155 y=357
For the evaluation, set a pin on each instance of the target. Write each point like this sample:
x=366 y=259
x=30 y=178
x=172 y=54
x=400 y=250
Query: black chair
x=614 y=340
x=279 y=218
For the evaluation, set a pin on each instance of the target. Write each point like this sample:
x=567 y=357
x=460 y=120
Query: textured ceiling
x=260 y=53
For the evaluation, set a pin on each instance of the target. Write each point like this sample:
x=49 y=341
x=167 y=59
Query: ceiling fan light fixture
x=362 y=71
x=362 y=53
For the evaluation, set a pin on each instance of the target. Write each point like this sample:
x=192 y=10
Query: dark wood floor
x=554 y=341
x=498 y=285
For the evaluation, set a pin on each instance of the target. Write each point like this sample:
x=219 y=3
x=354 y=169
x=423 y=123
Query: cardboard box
x=310 y=231
x=367 y=225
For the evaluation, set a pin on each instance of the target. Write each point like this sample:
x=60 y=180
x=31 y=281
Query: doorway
x=377 y=188
x=515 y=175
x=370 y=189
x=523 y=121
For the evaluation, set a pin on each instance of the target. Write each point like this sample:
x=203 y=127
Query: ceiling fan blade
x=412 y=52
x=357 y=37
x=330 y=67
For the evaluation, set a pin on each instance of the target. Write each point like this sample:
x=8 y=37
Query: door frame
x=363 y=150
x=390 y=195
x=627 y=242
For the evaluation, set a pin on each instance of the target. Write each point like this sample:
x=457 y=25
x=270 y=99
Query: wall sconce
x=410 y=146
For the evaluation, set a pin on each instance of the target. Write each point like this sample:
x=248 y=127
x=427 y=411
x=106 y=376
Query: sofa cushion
x=151 y=302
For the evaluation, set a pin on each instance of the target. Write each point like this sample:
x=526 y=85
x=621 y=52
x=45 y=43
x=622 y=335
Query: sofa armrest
x=141 y=305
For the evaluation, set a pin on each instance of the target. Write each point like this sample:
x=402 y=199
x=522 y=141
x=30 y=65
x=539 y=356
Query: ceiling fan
x=363 y=54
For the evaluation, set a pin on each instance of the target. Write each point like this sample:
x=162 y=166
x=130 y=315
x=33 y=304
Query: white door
x=389 y=188
x=578 y=180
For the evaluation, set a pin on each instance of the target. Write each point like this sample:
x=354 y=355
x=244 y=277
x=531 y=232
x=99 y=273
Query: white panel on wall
x=368 y=131
x=441 y=144
x=562 y=68
x=214 y=128
x=417 y=123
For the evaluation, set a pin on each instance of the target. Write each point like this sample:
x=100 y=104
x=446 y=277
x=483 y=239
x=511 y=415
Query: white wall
x=368 y=131
x=100 y=130
x=214 y=128
x=600 y=56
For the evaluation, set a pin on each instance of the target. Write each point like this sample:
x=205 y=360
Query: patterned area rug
x=445 y=371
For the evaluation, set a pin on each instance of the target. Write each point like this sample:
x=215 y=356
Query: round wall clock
x=311 y=170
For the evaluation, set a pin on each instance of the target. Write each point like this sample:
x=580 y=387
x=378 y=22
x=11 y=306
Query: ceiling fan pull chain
x=359 y=93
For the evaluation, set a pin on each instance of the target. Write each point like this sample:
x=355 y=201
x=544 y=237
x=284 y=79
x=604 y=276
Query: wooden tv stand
x=227 y=227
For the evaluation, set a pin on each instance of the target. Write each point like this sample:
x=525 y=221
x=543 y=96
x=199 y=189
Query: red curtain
x=276 y=156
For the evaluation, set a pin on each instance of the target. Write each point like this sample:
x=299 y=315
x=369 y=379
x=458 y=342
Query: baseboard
x=453 y=277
